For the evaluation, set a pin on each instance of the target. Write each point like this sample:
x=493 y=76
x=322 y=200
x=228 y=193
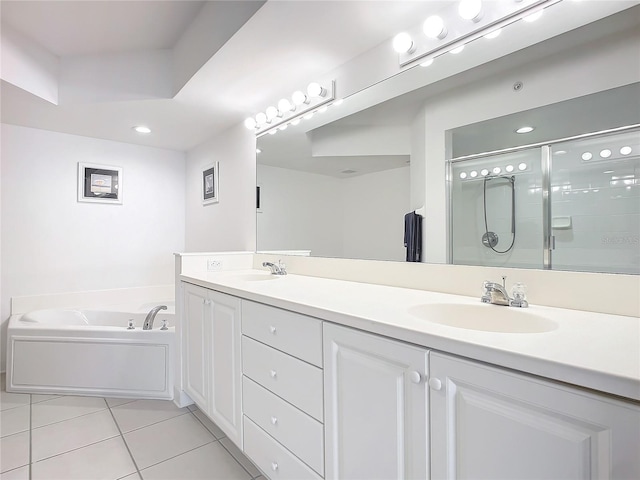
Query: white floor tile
x=37 y=398
x=161 y=441
x=64 y=408
x=240 y=457
x=71 y=434
x=142 y=413
x=105 y=460
x=13 y=400
x=133 y=476
x=15 y=420
x=211 y=462
x=212 y=427
x=114 y=402
x=14 y=451
x=21 y=473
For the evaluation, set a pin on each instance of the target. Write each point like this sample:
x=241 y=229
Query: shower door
x=496 y=210
x=595 y=203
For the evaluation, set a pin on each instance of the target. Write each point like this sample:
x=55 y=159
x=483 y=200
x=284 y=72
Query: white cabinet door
x=375 y=407
x=489 y=423
x=225 y=407
x=195 y=344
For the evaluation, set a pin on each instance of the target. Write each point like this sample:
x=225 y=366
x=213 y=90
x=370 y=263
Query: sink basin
x=253 y=277
x=484 y=317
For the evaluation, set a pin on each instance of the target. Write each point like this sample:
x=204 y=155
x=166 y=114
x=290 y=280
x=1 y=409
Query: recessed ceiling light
x=625 y=150
x=509 y=168
x=586 y=156
x=142 y=129
x=525 y=130
x=606 y=153
x=463 y=175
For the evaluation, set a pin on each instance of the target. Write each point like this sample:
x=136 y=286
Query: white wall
x=582 y=70
x=229 y=224
x=356 y=217
x=51 y=243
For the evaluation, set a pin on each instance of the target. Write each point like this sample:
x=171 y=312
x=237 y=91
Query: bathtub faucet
x=151 y=316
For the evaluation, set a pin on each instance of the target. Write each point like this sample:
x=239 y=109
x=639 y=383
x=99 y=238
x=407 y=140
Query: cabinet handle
x=272 y=329
x=274 y=420
x=273 y=373
x=435 y=383
x=415 y=377
x=274 y=466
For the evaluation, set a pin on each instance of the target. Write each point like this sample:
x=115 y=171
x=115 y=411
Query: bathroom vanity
x=319 y=378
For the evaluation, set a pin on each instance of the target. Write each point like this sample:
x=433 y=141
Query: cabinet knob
x=273 y=373
x=415 y=377
x=274 y=420
x=435 y=383
x=274 y=466
x=272 y=329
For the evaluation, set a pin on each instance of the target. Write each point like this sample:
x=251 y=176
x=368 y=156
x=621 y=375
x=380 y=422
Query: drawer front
x=294 y=429
x=289 y=332
x=297 y=382
x=273 y=459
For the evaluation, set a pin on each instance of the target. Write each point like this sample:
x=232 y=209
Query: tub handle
x=164 y=324
x=131 y=325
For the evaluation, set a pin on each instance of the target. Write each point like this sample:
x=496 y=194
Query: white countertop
x=592 y=350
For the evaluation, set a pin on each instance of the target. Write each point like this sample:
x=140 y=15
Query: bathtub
x=91 y=352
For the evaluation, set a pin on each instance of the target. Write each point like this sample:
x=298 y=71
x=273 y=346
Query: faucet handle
x=519 y=294
x=282 y=267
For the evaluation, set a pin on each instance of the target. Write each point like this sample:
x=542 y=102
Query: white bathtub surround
x=616 y=294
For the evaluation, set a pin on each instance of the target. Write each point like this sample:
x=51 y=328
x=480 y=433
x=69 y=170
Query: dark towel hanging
x=413 y=236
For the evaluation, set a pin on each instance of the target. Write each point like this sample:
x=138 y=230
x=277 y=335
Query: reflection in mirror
x=342 y=189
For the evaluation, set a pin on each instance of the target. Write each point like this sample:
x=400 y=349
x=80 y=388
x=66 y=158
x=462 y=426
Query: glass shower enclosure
x=569 y=204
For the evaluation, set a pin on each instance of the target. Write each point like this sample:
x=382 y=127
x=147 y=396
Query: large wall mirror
x=564 y=196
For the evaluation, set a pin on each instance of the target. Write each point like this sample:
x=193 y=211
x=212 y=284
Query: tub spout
x=151 y=316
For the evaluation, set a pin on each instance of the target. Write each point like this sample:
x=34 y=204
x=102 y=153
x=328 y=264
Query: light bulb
x=250 y=123
x=494 y=34
x=470 y=9
x=606 y=153
x=456 y=51
x=315 y=90
x=509 y=168
x=533 y=17
x=625 y=150
x=463 y=175
x=272 y=112
x=284 y=106
x=261 y=119
x=522 y=167
x=587 y=156
x=473 y=174
x=299 y=98
x=434 y=27
x=497 y=170
x=427 y=63
x=402 y=43
x=484 y=172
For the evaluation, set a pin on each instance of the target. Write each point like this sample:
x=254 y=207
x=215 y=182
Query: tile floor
x=48 y=437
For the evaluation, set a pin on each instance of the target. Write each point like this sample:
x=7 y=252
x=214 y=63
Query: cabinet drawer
x=289 y=332
x=273 y=459
x=297 y=382
x=294 y=429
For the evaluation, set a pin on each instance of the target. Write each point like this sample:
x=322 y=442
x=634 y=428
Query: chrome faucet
x=278 y=269
x=151 y=316
x=496 y=294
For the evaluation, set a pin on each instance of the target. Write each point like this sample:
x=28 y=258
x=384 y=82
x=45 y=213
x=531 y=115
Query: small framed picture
x=99 y=183
x=210 y=184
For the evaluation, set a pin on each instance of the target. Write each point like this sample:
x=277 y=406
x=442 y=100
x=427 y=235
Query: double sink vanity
x=321 y=378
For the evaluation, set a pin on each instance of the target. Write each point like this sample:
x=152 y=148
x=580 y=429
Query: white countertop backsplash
x=593 y=350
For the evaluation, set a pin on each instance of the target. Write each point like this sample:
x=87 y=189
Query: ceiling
x=187 y=69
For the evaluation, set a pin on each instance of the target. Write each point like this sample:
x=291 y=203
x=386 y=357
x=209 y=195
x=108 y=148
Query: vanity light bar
x=290 y=111
x=461 y=23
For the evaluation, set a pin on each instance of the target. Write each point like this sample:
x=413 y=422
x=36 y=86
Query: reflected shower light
x=606 y=153
x=427 y=63
x=533 y=17
x=484 y=172
x=509 y=168
x=308 y=116
x=258 y=150
x=522 y=166
x=142 y=129
x=555 y=189
x=338 y=102
x=456 y=51
x=463 y=175
x=586 y=156
x=525 y=129
x=608 y=171
x=473 y=174
x=273 y=132
x=295 y=122
x=282 y=127
x=561 y=152
x=625 y=150
x=322 y=109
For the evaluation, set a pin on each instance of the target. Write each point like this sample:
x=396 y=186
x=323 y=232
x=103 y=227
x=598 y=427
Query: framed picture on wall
x=210 y=184
x=99 y=183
